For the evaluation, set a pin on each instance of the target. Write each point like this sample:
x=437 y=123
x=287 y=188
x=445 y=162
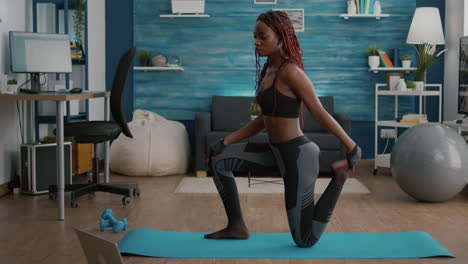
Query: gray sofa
x=229 y=113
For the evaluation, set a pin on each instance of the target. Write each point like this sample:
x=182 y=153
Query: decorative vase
x=351 y=7
x=418 y=85
x=373 y=61
x=174 y=61
x=159 y=60
x=406 y=63
x=401 y=86
x=12 y=87
x=377 y=8
x=188 y=6
x=419 y=79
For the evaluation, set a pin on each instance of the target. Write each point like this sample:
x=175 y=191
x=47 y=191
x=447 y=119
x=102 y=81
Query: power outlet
x=388 y=133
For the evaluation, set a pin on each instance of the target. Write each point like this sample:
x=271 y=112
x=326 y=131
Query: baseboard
x=366 y=163
x=201 y=173
x=4 y=190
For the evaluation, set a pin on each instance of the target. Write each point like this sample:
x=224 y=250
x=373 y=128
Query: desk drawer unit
x=38 y=167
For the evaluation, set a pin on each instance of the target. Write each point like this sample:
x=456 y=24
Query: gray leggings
x=298 y=161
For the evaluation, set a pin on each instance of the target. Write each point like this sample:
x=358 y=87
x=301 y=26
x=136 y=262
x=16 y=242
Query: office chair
x=96 y=132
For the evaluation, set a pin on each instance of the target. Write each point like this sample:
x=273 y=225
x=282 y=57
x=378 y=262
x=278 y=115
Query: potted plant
x=405 y=61
x=12 y=85
x=78 y=24
x=425 y=60
x=410 y=84
x=144 y=57
x=373 y=59
x=254 y=110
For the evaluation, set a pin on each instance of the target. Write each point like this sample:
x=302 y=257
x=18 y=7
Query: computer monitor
x=38 y=53
x=463 y=77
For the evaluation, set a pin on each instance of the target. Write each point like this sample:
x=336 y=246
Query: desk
x=461 y=128
x=60 y=99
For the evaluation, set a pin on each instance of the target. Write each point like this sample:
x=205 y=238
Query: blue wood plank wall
x=218 y=57
x=119 y=38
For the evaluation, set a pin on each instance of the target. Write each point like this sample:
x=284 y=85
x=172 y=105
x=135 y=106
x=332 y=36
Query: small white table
x=462 y=127
x=60 y=99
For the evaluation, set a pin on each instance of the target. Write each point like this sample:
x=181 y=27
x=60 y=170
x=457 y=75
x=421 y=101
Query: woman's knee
x=306 y=243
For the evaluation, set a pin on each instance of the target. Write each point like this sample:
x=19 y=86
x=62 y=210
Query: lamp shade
x=426 y=27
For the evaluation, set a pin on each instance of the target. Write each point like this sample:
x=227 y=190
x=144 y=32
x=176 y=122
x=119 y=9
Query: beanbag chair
x=159 y=147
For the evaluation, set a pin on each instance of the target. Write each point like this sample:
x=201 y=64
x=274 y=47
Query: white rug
x=206 y=185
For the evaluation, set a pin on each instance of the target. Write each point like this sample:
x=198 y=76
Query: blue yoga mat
x=154 y=243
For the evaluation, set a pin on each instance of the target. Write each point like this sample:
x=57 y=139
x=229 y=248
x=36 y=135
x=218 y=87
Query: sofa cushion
x=229 y=113
x=310 y=125
x=325 y=141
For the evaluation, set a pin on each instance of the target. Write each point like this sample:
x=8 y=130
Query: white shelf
x=382 y=160
x=184 y=15
x=347 y=16
x=394 y=69
x=393 y=123
x=409 y=93
x=154 y=68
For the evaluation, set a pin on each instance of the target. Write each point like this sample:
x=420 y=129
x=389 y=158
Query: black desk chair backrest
x=118 y=87
x=96 y=132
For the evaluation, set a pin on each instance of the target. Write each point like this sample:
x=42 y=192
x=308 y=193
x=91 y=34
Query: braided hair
x=281 y=24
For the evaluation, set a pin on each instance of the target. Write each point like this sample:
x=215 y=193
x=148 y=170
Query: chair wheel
x=126 y=200
x=136 y=192
x=52 y=196
x=74 y=204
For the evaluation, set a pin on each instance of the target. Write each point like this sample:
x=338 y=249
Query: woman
x=282 y=88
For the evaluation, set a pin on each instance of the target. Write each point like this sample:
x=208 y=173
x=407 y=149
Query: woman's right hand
x=354 y=157
x=216 y=149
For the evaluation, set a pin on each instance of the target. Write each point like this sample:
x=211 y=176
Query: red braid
x=279 y=22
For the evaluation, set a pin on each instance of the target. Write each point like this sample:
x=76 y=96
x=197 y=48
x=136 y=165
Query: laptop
x=98 y=250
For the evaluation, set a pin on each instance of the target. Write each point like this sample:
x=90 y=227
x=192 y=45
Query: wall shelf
x=348 y=16
x=393 y=69
x=184 y=15
x=164 y=68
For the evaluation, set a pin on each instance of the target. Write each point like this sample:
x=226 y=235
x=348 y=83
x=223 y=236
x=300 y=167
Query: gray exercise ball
x=430 y=162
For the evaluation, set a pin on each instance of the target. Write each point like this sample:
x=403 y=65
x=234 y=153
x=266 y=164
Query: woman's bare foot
x=230 y=232
x=340 y=170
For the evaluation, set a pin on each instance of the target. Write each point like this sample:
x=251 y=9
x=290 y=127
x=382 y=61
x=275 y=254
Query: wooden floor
x=30 y=233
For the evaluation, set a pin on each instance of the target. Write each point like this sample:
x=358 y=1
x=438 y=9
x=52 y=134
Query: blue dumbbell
x=108 y=220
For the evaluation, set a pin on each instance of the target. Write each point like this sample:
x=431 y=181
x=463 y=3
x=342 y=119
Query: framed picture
x=297 y=18
x=265 y=2
x=392 y=80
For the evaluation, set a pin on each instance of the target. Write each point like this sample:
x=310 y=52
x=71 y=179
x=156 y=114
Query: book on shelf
x=367 y=6
x=414 y=118
x=387 y=59
x=362 y=6
x=384 y=61
x=371 y=6
x=396 y=57
x=358 y=8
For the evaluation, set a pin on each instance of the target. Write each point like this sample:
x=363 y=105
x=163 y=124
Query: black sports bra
x=274 y=103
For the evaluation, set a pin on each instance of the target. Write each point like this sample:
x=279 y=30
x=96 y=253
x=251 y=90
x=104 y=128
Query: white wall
x=13 y=15
x=465 y=18
x=454 y=15
x=96 y=55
